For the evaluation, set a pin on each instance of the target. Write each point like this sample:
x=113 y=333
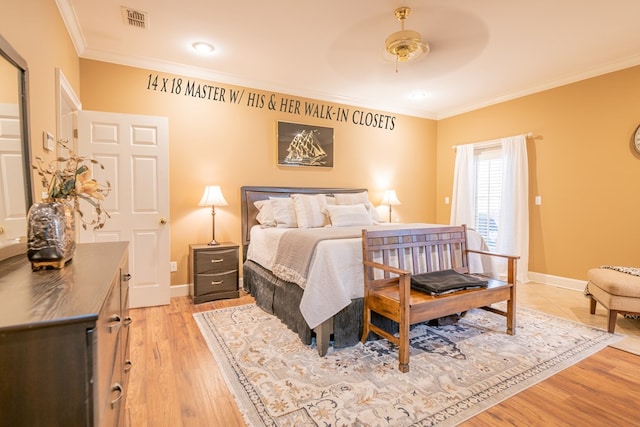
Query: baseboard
x=183 y=290
x=560 y=282
x=180 y=290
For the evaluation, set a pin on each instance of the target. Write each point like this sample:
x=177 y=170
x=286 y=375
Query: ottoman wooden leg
x=613 y=315
x=592 y=309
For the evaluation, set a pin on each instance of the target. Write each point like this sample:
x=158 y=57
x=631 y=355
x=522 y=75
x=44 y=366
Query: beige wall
x=214 y=142
x=581 y=163
x=36 y=31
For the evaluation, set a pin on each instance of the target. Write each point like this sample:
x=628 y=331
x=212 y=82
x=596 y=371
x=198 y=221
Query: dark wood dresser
x=64 y=339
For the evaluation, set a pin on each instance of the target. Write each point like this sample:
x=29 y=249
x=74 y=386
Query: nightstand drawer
x=218 y=282
x=213 y=271
x=216 y=261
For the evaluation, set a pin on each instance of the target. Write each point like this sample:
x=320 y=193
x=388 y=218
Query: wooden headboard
x=250 y=195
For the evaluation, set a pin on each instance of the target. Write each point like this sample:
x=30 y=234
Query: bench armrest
x=511 y=262
x=476 y=251
x=402 y=281
x=384 y=267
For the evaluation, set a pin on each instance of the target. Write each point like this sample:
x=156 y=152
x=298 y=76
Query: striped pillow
x=310 y=210
x=284 y=212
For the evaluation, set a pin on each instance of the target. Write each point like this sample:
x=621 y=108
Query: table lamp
x=390 y=199
x=213 y=197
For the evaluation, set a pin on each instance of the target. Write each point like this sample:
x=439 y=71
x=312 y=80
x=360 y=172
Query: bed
x=327 y=302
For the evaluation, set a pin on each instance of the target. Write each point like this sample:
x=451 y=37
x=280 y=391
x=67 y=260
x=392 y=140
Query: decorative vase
x=51 y=231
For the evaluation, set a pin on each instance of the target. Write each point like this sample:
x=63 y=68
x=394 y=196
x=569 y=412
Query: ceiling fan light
x=405 y=45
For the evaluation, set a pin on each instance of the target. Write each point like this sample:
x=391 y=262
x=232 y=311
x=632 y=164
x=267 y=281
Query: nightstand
x=213 y=272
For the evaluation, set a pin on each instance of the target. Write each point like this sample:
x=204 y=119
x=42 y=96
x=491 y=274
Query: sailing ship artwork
x=304 y=145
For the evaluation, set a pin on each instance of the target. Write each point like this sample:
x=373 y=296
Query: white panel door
x=135 y=153
x=13 y=205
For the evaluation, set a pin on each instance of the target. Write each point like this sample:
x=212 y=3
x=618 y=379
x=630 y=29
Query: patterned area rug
x=456 y=371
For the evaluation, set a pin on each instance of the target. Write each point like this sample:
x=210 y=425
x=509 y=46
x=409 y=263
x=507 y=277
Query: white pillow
x=355 y=198
x=284 y=212
x=349 y=215
x=265 y=213
x=310 y=210
x=352 y=198
x=373 y=212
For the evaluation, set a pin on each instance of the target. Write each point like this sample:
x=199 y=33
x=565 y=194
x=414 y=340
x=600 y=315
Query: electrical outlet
x=173 y=266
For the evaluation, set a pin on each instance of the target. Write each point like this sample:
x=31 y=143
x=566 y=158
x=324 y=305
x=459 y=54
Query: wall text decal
x=274 y=102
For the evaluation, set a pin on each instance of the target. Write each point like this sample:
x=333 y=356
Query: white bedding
x=335 y=274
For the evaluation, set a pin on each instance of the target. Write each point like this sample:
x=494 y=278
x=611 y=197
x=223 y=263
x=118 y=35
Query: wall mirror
x=15 y=170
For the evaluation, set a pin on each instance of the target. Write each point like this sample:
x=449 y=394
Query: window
x=490 y=194
x=487 y=193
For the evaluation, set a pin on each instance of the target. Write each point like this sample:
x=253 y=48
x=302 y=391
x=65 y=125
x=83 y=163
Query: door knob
x=163 y=221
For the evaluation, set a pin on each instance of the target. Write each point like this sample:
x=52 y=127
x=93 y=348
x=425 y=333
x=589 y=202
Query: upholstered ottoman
x=617 y=289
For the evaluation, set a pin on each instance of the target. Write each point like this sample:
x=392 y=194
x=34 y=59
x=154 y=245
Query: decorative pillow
x=310 y=210
x=349 y=215
x=375 y=215
x=265 y=213
x=284 y=212
x=352 y=198
x=355 y=198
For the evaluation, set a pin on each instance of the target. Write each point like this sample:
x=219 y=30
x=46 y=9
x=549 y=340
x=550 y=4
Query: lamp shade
x=389 y=198
x=213 y=197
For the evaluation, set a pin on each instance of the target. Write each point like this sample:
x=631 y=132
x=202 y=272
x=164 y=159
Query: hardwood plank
x=175 y=381
x=599 y=390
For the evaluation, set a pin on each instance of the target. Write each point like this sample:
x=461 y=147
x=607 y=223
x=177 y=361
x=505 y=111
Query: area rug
x=456 y=371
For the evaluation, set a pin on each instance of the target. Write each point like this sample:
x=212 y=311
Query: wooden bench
x=387 y=287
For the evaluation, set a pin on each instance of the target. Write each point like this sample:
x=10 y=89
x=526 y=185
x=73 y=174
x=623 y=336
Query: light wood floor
x=175 y=381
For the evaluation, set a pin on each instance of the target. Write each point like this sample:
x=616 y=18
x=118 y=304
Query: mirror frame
x=14 y=58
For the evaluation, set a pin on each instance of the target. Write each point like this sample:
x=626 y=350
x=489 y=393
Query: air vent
x=135 y=18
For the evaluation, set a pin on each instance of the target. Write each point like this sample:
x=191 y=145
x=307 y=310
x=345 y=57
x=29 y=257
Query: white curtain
x=463 y=202
x=513 y=230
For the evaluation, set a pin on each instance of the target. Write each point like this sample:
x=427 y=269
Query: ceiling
x=482 y=51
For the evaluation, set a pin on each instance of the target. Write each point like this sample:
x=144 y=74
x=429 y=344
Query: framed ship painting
x=305 y=145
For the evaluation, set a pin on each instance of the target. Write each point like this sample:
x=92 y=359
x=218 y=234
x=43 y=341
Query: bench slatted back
x=418 y=250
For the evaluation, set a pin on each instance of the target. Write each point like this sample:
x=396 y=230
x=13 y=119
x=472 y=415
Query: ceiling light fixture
x=202 y=47
x=405 y=45
x=416 y=96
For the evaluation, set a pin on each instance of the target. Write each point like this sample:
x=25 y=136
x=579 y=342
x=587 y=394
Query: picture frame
x=301 y=145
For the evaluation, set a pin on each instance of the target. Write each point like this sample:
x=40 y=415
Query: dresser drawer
x=108 y=364
x=216 y=261
x=208 y=283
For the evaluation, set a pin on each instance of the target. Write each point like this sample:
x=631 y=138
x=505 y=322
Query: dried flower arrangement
x=69 y=178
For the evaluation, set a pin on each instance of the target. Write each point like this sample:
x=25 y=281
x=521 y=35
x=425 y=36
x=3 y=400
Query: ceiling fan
x=405 y=45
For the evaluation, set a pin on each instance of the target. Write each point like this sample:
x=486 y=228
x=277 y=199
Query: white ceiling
x=482 y=51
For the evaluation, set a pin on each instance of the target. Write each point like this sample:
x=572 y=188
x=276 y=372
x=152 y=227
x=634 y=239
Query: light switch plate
x=47 y=141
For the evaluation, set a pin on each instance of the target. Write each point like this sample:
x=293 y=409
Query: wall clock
x=636 y=140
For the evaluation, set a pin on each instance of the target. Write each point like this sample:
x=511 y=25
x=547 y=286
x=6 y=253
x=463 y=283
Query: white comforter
x=335 y=274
